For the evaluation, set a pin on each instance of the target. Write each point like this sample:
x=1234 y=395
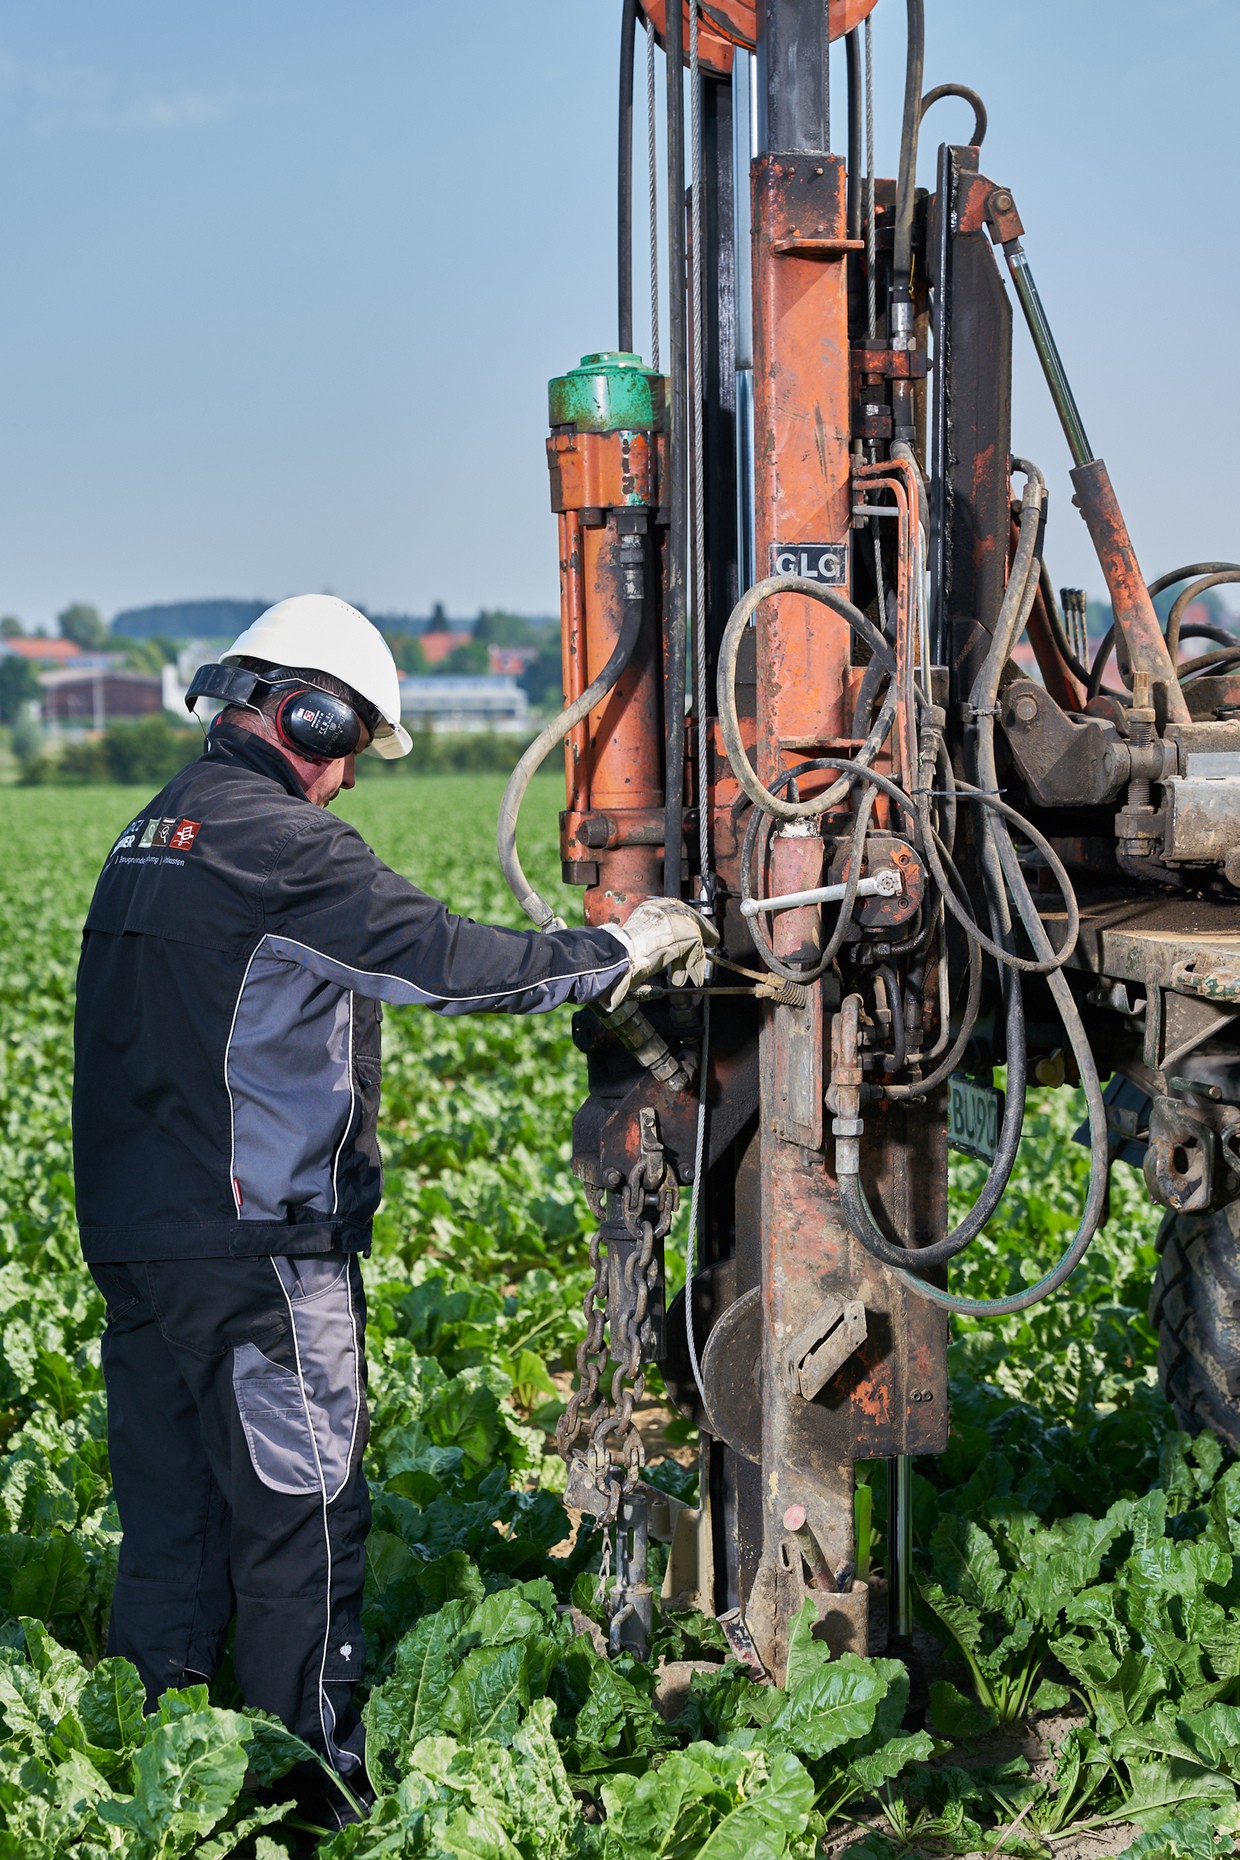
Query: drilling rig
x=818 y=684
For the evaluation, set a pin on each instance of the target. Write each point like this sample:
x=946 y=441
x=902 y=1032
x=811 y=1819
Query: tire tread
x=1195 y=1308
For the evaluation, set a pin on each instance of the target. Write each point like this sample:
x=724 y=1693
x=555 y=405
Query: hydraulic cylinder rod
x=1139 y=642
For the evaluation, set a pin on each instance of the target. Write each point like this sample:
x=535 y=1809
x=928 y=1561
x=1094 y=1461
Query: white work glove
x=662 y=935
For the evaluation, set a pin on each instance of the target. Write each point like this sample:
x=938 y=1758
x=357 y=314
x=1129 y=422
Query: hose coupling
x=847 y=1080
x=648 y=1046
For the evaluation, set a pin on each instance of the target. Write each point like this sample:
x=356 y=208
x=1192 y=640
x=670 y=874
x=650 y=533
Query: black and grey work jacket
x=235 y=958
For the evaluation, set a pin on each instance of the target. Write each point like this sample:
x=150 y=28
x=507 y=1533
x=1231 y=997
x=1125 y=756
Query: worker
x=236 y=957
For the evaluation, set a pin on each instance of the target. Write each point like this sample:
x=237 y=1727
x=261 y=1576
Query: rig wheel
x=1195 y=1308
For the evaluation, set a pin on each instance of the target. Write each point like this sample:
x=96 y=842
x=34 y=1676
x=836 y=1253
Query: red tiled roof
x=439 y=644
x=46 y=651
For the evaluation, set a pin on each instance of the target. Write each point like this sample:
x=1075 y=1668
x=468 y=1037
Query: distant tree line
x=148 y=752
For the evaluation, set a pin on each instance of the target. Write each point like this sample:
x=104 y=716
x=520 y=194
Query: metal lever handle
x=885 y=884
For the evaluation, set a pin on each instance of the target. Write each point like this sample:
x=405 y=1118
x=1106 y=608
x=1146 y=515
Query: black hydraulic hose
x=1054 y=959
x=531 y=901
x=1003 y=1162
x=1018 y=596
x=906 y=190
x=853 y=1201
x=856 y=1208
x=867 y=692
x=1160 y=586
x=998 y=1175
x=947 y=1065
x=1182 y=574
x=946 y=798
x=676 y=609
x=1207 y=662
x=1185 y=600
x=1202 y=629
x=1096 y=671
x=895 y=1007
x=624 y=181
x=852 y=62
x=1054 y=620
x=969 y=96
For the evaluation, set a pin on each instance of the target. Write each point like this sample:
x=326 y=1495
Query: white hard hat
x=318 y=633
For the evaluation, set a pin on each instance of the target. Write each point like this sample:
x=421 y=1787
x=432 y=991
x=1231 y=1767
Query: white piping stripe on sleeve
x=417 y=996
x=344 y=1135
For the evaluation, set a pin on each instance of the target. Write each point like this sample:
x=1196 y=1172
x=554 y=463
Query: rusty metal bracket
x=811 y=246
x=1003 y=222
x=1180 y=1156
x=899 y=364
x=824 y=1345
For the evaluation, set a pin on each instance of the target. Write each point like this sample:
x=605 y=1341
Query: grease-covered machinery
x=818 y=684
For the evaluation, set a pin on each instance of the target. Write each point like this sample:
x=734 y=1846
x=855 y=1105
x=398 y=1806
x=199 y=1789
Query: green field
x=1079 y=1562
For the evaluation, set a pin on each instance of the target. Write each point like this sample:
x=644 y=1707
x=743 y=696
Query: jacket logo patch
x=158 y=834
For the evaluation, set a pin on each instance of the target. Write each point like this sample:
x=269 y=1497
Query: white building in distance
x=445 y=703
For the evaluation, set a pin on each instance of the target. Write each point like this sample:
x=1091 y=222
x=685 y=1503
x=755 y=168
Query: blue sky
x=283 y=283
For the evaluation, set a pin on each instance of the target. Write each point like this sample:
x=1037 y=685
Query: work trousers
x=236 y=1422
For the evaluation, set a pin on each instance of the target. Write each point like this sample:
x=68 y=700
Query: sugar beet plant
x=1079 y=1562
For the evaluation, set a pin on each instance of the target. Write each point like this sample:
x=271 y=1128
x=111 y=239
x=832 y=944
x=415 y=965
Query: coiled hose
x=1006 y=886
x=998 y=845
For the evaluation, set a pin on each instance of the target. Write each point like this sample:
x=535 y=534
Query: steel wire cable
x=676 y=671
x=700 y=692
x=698 y=465
x=871 y=237
x=652 y=161
x=624 y=181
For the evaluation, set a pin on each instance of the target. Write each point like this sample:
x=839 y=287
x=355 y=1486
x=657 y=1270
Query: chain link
x=597 y=1434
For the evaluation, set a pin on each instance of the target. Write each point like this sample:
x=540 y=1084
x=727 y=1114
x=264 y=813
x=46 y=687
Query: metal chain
x=652 y=160
x=826 y=75
x=605 y=1469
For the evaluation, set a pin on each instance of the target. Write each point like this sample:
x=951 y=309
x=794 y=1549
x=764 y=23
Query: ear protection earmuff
x=317 y=724
x=313 y=723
